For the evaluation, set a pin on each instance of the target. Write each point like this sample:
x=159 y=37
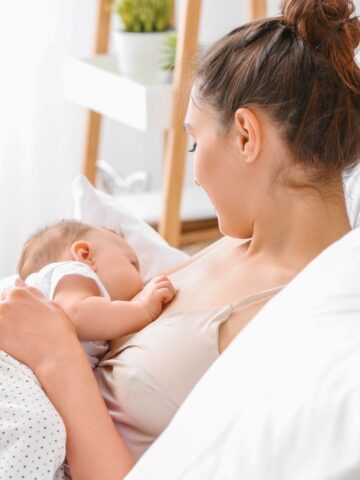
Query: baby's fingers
x=166 y=295
x=159 y=279
x=166 y=284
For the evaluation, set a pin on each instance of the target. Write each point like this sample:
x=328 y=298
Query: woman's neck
x=295 y=227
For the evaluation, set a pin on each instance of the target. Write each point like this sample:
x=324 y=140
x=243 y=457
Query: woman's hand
x=35 y=331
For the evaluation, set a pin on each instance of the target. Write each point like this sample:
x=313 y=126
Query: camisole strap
x=257 y=296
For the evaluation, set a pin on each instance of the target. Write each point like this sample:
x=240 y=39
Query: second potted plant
x=146 y=25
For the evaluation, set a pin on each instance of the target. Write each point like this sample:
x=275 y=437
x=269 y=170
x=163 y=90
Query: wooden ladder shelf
x=175 y=139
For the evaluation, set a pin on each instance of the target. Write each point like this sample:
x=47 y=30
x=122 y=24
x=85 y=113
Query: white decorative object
x=111 y=182
x=134 y=194
x=139 y=55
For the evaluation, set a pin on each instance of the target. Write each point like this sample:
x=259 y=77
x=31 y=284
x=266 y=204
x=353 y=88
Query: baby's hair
x=49 y=245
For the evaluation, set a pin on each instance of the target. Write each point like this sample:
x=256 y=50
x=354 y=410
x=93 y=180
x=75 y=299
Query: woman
x=274 y=116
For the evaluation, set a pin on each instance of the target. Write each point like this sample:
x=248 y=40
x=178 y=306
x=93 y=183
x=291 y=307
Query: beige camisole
x=146 y=379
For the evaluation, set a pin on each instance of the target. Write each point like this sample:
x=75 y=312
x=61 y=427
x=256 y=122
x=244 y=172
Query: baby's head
x=104 y=251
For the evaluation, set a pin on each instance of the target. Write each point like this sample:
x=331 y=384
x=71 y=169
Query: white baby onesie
x=47 y=279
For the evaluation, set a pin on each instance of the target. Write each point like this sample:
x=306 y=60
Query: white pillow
x=283 y=401
x=96 y=207
x=99 y=208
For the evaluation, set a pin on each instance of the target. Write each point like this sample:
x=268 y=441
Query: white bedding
x=32 y=433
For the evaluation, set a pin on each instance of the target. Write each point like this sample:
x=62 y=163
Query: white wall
x=41 y=134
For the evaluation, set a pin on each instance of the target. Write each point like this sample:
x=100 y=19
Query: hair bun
x=330 y=27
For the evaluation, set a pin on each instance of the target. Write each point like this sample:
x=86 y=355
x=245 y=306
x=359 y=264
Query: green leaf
x=144 y=15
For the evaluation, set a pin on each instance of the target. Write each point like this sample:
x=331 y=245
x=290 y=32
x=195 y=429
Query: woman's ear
x=248 y=134
x=81 y=252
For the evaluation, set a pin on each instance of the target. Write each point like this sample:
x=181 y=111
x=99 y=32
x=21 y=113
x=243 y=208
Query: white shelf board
x=95 y=84
x=148 y=205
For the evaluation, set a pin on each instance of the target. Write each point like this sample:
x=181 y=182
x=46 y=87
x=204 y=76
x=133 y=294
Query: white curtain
x=40 y=133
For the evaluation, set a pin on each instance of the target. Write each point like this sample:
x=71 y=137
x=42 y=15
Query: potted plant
x=146 y=25
x=168 y=54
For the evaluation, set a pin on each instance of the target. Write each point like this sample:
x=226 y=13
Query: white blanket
x=32 y=434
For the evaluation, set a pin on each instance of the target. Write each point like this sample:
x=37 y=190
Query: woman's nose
x=196 y=181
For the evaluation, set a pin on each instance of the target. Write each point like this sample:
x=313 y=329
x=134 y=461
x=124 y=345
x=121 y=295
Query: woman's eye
x=193 y=147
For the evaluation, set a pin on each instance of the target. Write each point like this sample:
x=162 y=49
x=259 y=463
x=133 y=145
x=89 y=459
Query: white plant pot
x=139 y=55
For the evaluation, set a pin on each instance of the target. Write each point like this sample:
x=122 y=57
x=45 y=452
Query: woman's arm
x=37 y=332
x=94 y=448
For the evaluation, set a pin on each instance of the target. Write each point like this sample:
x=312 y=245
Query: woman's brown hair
x=299 y=68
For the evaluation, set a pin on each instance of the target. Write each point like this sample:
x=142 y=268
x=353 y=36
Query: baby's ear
x=80 y=252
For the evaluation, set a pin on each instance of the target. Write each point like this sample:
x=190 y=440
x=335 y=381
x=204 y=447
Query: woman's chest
x=146 y=378
x=226 y=279
x=217 y=280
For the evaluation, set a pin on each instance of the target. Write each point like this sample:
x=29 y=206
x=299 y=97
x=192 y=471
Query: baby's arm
x=97 y=318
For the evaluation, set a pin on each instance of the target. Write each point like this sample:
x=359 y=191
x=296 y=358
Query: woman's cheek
x=199 y=170
x=205 y=170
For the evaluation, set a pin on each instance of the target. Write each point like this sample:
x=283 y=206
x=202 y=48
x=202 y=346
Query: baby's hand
x=157 y=293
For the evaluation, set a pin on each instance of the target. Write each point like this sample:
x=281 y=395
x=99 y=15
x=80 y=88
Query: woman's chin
x=227 y=232
x=234 y=231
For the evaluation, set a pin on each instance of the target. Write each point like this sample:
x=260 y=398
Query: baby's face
x=116 y=264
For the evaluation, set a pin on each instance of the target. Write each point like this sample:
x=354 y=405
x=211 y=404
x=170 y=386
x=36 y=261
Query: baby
x=93 y=275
